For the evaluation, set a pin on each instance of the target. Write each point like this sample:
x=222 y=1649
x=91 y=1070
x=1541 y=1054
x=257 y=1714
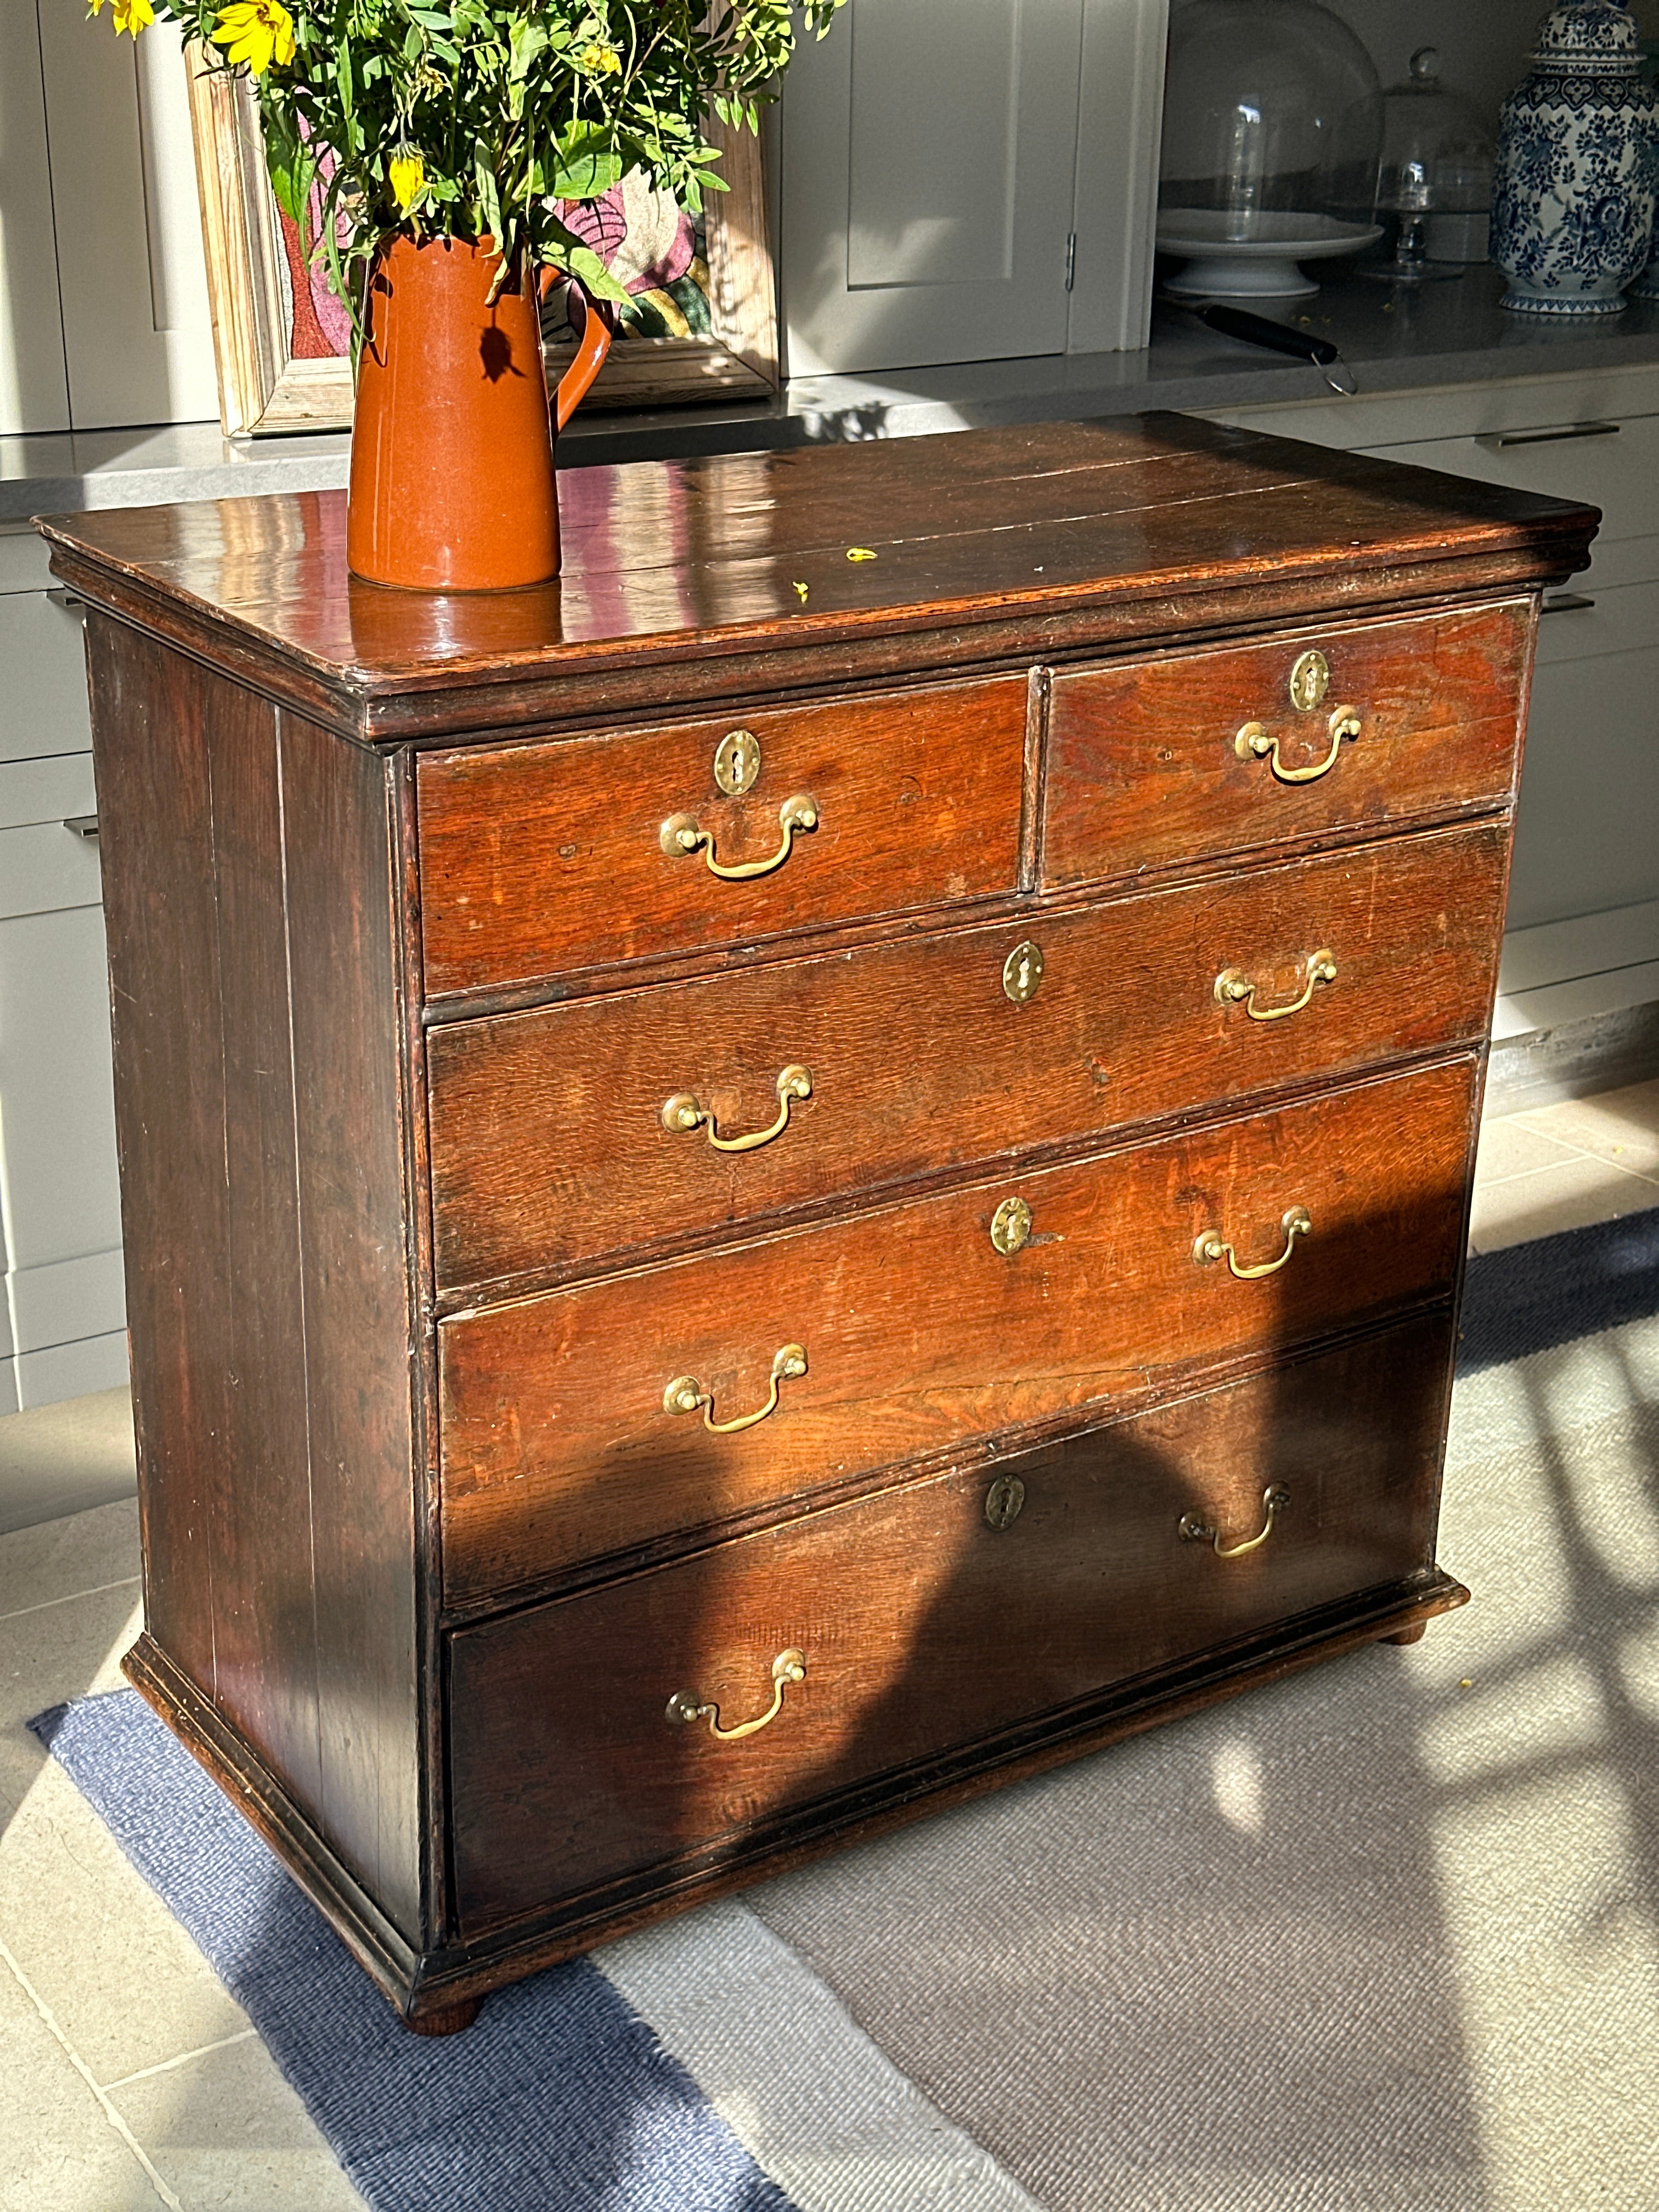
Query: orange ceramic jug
x=453 y=487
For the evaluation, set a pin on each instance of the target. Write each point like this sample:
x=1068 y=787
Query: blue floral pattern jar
x=1578 y=167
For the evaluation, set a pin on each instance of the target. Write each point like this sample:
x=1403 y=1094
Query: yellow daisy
x=132 y=16
x=599 y=59
x=257 y=31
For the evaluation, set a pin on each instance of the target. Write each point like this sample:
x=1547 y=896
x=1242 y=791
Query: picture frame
x=278 y=337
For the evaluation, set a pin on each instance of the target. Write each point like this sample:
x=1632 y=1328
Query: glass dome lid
x=1271 y=108
x=1437 y=152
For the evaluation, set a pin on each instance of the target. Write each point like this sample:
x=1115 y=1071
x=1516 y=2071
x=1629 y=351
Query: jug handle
x=599 y=328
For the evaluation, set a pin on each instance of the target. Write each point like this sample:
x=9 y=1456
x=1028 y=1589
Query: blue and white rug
x=1378 y=1938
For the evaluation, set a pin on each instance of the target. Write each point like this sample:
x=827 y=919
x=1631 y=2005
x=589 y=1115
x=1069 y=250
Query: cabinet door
x=928 y=156
x=34 y=395
x=136 y=331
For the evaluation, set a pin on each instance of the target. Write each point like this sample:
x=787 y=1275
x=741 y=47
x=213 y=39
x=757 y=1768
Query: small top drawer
x=1213 y=753
x=570 y=855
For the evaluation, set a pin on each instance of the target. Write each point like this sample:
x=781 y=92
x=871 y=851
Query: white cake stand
x=1232 y=257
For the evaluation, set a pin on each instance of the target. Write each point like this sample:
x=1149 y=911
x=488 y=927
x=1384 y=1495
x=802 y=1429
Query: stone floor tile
x=1574 y=1195
x=1621 y=1127
x=224 y=2128
x=58 y=2150
x=61 y=1559
x=124 y=1980
x=61 y=1649
x=1511 y=1147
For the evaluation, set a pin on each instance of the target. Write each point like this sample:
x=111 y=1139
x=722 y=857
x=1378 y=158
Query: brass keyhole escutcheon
x=737 y=763
x=1011 y=1225
x=1310 y=679
x=1003 y=1501
x=1021 y=971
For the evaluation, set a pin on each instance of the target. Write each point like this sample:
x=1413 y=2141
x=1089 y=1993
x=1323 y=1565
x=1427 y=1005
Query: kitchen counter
x=1394 y=340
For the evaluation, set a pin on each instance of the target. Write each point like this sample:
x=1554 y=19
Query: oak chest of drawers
x=766 y=1187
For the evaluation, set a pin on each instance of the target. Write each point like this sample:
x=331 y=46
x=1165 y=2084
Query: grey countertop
x=1392 y=339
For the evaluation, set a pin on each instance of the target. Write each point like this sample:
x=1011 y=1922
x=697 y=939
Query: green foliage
x=509 y=107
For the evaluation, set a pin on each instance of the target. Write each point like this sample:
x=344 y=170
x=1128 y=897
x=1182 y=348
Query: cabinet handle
x=1233 y=987
x=1210 y=1245
x=1556 y=434
x=81 y=825
x=686 y=1708
x=1567 y=603
x=1196 y=1530
x=685 y=1394
x=684 y=1112
x=682 y=835
x=1255 y=741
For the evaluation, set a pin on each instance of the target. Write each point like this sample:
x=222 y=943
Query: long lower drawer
x=587 y=1421
x=924 y=1620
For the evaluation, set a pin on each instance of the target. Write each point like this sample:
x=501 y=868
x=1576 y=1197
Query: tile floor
x=131 y=2079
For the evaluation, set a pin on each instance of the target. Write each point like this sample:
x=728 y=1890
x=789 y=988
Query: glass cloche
x=1435 y=182
x=1272 y=129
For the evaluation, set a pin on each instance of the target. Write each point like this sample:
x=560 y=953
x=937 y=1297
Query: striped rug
x=1382 y=1938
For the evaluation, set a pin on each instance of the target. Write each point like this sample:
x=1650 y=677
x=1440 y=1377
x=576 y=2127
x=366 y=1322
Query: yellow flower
x=131 y=16
x=599 y=59
x=257 y=31
x=406 y=174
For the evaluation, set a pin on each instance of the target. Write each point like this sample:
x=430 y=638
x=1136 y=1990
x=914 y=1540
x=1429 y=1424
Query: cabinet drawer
x=549 y=1144
x=43 y=704
x=1608 y=464
x=560 y=1443
x=560 y=856
x=922 y=1627
x=1153 y=762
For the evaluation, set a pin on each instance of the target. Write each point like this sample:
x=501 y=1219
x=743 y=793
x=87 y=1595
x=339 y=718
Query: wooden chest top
x=712 y=579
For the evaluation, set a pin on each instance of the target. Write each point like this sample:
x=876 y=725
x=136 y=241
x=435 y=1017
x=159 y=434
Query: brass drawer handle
x=1233 y=987
x=685 y=1394
x=1254 y=741
x=1197 y=1530
x=1211 y=1246
x=685 y=1707
x=682 y=835
x=684 y=1112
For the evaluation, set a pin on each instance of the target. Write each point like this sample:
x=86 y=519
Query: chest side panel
x=247 y=881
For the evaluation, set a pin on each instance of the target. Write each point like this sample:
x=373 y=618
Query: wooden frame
x=264 y=387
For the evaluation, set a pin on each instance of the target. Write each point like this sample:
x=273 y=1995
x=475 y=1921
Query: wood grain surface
x=681 y=578
x=547 y=859
x=923 y=1626
x=550 y=1154
x=1143 y=771
x=918 y=1332
x=246 y=865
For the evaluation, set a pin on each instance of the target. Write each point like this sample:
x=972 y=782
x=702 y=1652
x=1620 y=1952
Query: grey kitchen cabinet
x=63 y=1319
x=1583 y=936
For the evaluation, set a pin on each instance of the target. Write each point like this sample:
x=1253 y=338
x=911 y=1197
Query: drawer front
x=548 y=858
x=922 y=1625
x=549 y=1142
x=1161 y=762
x=1609 y=464
x=43 y=706
x=570 y=1423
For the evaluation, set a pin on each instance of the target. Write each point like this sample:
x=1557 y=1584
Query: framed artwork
x=703 y=322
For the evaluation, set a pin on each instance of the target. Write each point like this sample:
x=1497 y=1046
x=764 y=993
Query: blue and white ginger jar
x=1578 y=167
